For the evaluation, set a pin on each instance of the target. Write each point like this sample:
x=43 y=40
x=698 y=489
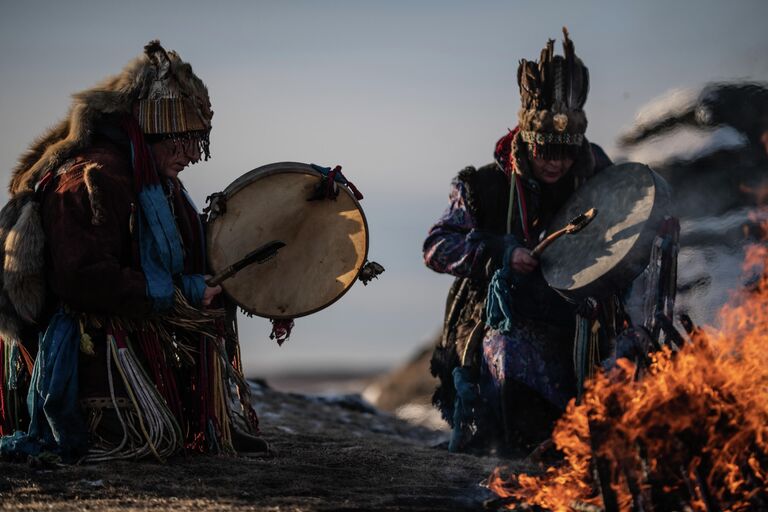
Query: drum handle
x=258 y=255
x=541 y=246
x=577 y=224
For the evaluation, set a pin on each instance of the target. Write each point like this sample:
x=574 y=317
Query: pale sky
x=402 y=94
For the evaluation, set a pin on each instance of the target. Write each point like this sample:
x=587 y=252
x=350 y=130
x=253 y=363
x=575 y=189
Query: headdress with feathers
x=553 y=92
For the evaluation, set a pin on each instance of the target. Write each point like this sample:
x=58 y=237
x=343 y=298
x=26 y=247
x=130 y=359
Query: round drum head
x=610 y=252
x=326 y=241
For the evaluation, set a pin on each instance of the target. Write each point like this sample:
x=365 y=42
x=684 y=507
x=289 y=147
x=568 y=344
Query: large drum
x=610 y=252
x=326 y=240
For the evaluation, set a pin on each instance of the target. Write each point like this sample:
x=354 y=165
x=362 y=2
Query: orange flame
x=695 y=427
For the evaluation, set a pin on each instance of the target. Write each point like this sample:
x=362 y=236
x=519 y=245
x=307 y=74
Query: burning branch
x=693 y=433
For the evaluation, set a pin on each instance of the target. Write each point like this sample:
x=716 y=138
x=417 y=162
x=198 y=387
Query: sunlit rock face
x=706 y=142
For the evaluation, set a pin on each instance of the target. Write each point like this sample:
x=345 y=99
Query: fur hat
x=553 y=92
x=174 y=103
x=168 y=100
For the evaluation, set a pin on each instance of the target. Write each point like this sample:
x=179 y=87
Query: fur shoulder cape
x=22 y=241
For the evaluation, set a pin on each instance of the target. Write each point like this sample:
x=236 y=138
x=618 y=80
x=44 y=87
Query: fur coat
x=22 y=241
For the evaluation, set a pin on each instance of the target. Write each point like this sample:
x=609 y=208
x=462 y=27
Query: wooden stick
x=577 y=224
x=259 y=255
x=706 y=496
x=601 y=466
x=641 y=501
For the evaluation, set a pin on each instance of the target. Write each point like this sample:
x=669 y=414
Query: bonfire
x=688 y=433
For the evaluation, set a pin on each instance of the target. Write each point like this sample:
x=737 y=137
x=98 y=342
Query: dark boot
x=245 y=443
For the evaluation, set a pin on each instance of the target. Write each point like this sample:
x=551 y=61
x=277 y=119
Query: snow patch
x=685 y=144
x=672 y=103
x=422 y=415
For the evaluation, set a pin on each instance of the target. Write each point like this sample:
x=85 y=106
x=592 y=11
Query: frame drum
x=609 y=253
x=326 y=241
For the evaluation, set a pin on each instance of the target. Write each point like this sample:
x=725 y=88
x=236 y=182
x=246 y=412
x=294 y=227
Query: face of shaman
x=172 y=156
x=550 y=171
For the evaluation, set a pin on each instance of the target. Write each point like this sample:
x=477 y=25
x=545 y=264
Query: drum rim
x=661 y=207
x=297 y=168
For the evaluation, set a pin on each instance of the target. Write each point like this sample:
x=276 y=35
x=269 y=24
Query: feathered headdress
x=553 y=92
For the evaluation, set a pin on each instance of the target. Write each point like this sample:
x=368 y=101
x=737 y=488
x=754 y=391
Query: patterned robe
x=528 y=370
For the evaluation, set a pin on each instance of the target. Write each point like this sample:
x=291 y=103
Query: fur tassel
x=94 y=195
x=159 y=58
x=9 y=319
x=9 y=215
x=24 y=260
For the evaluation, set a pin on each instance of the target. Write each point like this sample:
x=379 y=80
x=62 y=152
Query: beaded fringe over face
x=552 y=146
x=175 y=105
x=170 y=115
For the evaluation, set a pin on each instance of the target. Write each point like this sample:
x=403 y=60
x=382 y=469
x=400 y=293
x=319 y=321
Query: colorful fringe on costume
x=55 y=422
x=174 y=380
x=5 y=428
x=15 y=368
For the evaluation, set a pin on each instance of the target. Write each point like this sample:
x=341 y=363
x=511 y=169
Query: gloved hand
x=522 y=262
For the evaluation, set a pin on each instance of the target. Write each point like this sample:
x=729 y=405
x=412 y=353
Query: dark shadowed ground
x=332 y=454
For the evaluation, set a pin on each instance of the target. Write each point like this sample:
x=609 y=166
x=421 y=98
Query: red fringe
x=4 y=420
x=332 y=177
x=503 y=151
x=144 y=172
x=199 y=437
x=164 y=379
x=281 y=330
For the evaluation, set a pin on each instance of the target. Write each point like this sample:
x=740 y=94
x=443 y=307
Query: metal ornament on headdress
x=553 y=92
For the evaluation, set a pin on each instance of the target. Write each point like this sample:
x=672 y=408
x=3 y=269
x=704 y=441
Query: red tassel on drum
x=281 y=330
x=354 y=190
x=344 y=181
x=3 y=418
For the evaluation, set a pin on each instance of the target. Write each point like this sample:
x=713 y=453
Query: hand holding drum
x=210 y=292
x=525 y=261
x=522 y=261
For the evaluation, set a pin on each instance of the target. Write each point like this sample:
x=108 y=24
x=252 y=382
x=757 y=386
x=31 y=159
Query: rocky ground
x=331 y=454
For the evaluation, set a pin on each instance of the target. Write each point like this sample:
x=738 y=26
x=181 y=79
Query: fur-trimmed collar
x=22 y=239
x=115 y=95
x=145 y=79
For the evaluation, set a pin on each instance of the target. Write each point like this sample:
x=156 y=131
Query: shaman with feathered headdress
x=552 y=93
